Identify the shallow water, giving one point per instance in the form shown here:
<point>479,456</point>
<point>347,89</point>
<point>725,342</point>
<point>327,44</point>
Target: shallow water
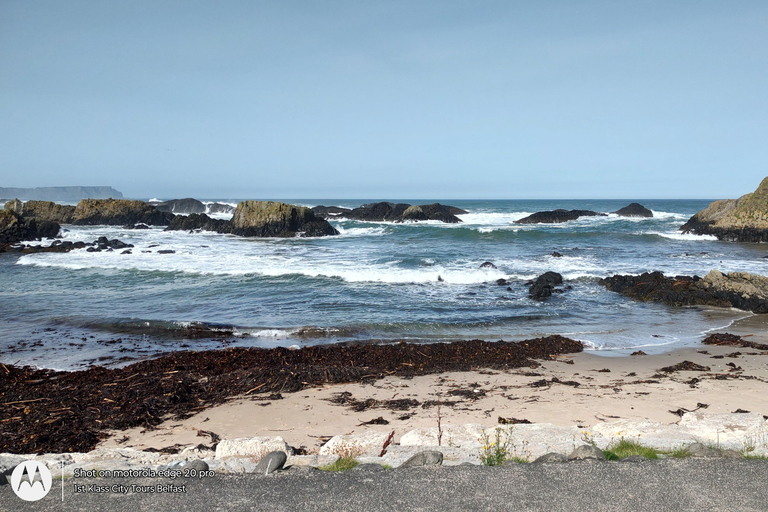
<point>374,281</point>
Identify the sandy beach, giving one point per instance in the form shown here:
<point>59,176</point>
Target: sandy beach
<point>580,389</point>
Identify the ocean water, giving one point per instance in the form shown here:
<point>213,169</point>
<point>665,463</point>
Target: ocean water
<point>376,281</point>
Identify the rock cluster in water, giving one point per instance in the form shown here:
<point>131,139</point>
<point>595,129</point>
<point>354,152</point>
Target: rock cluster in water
<point>33,220</point>
<point>737,289</point>
<point>739,220</point>
<point>393,212</point>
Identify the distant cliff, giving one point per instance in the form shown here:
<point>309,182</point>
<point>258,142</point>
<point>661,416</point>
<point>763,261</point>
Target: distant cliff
<point>64,194</point>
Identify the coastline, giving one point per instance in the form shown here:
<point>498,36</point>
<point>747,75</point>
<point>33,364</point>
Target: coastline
<point>591,389</point>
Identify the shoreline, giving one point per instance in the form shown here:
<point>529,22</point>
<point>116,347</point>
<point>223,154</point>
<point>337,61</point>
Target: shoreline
<point>572,390</point>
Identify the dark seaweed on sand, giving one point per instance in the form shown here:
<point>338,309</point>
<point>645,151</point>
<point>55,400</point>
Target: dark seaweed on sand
<point>48,411</point>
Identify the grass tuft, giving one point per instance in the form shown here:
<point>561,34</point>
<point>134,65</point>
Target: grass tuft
<point>340,464</point>
<point>624,449</point>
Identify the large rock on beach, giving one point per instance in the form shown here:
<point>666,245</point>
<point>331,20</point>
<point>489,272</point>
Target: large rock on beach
<point>274,219</point>
<point>557,216</point>
<point>186,205</point>
<point>737,289</point>
<point>738,220</point>
<point>118,212</point>
<point>634,210</point>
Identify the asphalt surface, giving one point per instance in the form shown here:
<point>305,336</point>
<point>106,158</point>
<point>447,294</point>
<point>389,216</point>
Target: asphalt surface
<point>686,484</point>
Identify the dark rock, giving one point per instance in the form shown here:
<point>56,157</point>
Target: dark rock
<point>557,254</point>
<point>196,221</point>
<point>166,251</point>
<point>502,282</point>
<point>634,210</point>
<point>273,461</point>
<point>556,216</point>
<point>219,208</point>
<point>738,289</point>
<point>552,457</point>
<point>118,212</point>
<point>15,228</point>
<point>187,205</point>
<point>443,213</point>
<point>330,212</point>
<point>392,212</point>
<point>737,220</point>
<point>424,458</point>
<point>587,451</point>
<point>487,264</point>
<point>274,219</point>
<point>638,353</point>
<point>544,285</point>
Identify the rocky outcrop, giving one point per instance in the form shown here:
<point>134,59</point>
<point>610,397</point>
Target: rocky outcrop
<point>187,205</point>
<point>118,212</point>
<point>737,220</point>
<point>274,219</point>
<point>738,289</point>
<point>634,210</point>
<point>42,210</point>
<point>393,212</point>
<point>557,216</point>
<point>68,194</point>
<point>543,286</point>
<point>15,228</point>
<point>195,221</point>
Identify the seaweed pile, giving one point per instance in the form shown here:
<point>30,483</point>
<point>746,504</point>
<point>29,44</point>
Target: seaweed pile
<point>49,411</point>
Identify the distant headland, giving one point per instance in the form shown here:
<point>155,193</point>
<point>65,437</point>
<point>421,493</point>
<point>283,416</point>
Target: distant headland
<point>66,194</point>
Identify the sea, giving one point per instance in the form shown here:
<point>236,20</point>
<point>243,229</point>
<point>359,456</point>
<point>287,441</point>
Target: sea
<point>420,282</point>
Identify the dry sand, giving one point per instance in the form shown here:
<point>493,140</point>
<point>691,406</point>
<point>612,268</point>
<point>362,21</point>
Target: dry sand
<point>609,388</point>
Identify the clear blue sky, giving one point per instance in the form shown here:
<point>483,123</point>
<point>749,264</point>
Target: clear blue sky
<point>395,99</point>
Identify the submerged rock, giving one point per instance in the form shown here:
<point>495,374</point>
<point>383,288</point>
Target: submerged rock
<point>737,289</point>
<point>557,216</point>
<point>737,220</point>
<point>274,219</point>
<point>544,285</point>
<point>634,210</point>
<point>119,212</point>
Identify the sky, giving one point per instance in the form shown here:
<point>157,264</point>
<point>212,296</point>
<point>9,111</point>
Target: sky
<point>398,99</point>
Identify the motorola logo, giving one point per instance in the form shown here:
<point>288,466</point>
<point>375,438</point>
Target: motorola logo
<point>31,480</point>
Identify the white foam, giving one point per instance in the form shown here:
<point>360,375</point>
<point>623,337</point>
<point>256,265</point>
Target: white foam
<point>682,236</point>
<point>488,219</point>
<point>369,231</point>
